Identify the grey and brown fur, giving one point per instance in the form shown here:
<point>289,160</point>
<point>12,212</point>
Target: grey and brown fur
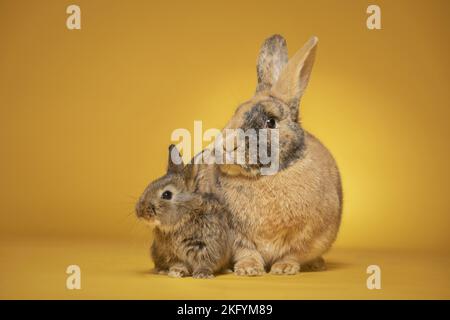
<point>192,234</point>
<point>290,219</point>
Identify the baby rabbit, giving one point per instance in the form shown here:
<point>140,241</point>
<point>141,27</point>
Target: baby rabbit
<point>192,234</point>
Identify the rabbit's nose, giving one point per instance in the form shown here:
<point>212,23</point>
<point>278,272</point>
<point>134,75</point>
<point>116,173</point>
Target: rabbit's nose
<point>150,209</point>
<point>144,209</point>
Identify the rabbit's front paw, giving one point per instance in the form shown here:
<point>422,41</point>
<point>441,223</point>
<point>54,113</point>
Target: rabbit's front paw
<point>178,272</point>
<point>285,268</point>
<point>202,274</point>
<point>248,268</point>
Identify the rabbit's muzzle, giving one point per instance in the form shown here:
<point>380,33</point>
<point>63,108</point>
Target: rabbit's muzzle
<point>145,210</point>
<point>236,145</point>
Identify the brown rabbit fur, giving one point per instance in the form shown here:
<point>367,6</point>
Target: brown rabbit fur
<point>291,218</point>
<point>192,235</point>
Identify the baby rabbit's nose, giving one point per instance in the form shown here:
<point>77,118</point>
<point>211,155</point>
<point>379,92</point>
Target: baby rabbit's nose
<point>144,209</point>
<point>150,209</point>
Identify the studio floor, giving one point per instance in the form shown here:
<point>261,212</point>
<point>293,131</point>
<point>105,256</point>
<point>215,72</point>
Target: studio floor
<point>36,269</point>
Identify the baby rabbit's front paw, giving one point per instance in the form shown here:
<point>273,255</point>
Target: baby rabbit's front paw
<point>202,274</point>
<point>248,268</point>
<point>178,272</point>
<point>285,268</point>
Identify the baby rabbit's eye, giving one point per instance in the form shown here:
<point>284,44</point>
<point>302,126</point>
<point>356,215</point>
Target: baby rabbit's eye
<point>167,195</point>
<point>271,123</point>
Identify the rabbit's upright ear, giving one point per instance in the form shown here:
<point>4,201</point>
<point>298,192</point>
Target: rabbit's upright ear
<point>190,173</point>
<point>175,164</point>
<point>272,58</point>
<point>295,76</point>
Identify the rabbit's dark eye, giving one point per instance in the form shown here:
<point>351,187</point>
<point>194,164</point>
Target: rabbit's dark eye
<point>271,123</point>
<point>167,195</point>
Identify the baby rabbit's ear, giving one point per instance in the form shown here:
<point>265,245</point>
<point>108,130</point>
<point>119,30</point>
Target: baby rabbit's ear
<point>295,76</point>
<point>190,175</point>
<point>272,58</point>
<point>175,162</point>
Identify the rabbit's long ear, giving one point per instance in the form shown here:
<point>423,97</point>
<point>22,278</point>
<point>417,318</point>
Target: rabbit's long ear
<point>272,58</point>
<point>294,78</point>
<point>175,163</point>
<point>192,172</point>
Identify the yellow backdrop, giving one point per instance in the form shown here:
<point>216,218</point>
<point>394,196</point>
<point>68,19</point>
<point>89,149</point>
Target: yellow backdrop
<point>86,115</point>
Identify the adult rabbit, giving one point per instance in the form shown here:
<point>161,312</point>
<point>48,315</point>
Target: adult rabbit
<point>288,219</point>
